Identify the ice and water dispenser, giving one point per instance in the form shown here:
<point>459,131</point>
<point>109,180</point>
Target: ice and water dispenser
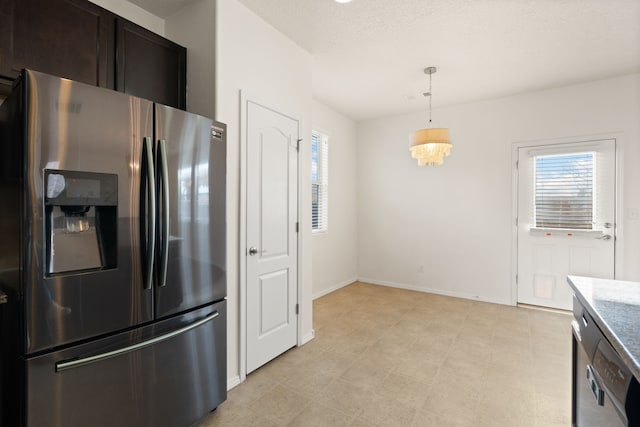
<point>81,217</point>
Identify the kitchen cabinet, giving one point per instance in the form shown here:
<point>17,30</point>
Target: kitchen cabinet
<point>6,36</point>
<point>81,41</point>
<point>67,38</point>
<point>150,66</point>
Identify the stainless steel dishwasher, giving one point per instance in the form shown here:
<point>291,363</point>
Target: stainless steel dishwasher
<point>605,392</point>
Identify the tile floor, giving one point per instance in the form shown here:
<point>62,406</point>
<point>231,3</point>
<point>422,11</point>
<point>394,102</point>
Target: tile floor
<point>390,357</point>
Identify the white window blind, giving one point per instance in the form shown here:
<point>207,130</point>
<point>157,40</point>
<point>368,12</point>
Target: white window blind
<point>564,191</point>
<point>319,182</point>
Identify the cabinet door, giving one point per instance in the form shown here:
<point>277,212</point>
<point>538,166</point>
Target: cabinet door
<point>6,37</point>
<point>67,38</point>
<point>150,66</point>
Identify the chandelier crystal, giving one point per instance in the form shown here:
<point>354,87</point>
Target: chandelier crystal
<point>430,145</point>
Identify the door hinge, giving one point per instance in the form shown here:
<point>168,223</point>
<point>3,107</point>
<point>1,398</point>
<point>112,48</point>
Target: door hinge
<point>516,279</point>
<point>517,163</point>
<point>297,308</point>
<point>516,222</point>
<point>297,227</point>
<point>298,144</point>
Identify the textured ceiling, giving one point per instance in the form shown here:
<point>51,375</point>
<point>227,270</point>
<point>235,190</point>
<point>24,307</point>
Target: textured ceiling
<point>369,54</point>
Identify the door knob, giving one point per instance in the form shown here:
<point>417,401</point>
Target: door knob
<point>253,250</point>
<point>604,237</point>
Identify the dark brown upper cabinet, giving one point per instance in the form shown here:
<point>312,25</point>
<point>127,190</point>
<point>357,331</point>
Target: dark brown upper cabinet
<point>67,38</point>
<point>6,42</point>
<point>150,66</point>
<point>81,41</point>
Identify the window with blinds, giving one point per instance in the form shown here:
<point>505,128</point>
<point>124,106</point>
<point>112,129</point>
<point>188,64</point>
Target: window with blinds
<point>564,191</point>
<point>319,182</point>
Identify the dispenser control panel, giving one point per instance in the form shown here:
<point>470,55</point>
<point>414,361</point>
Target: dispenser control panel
<point>63,187</point>
<point>83,188</point>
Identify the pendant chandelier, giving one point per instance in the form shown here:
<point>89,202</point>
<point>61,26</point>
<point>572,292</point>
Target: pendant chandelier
<point>431,145</point>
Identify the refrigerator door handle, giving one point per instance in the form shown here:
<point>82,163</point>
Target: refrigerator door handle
<point>76,363</point>
<point>164,183</point>
<point>149,217</point>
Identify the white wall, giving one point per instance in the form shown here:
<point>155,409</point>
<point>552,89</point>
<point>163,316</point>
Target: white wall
<point>193,27</point>
<point>255,58</point>
<point>335,252</point>
<point>133,13</point>
<point>455,220</point>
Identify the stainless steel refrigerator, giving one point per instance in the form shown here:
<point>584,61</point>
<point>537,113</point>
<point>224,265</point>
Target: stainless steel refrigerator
<point>112,256</point>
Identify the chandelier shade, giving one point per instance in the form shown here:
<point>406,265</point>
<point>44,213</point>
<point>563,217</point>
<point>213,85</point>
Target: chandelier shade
<point>430,146</point>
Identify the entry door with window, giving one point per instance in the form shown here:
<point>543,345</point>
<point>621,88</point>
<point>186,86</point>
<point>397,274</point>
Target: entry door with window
<point>566,218</point>
<point>271,236</point>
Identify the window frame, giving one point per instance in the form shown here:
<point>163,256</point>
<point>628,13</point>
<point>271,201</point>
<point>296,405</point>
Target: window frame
<point>320,180</point>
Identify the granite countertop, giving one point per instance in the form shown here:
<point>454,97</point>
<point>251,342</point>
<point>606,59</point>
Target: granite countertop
<point>615,307</point>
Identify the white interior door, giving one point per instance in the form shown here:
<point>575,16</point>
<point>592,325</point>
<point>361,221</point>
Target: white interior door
<point>271,236</point>
<point>566,218</point>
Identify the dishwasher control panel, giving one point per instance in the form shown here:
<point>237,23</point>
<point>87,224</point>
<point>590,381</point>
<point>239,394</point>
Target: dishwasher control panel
<point>611,370</point>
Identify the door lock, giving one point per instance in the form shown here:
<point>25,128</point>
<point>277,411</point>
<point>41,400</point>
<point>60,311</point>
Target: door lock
<point>253,250</point>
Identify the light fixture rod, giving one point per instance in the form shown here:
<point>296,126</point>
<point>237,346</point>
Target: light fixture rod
<point>430,97</point>
<point>429,71</point>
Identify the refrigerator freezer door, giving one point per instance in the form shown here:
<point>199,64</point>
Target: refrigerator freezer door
<point>191,170</point>
<point>169,374</point>
<point>71,126</point>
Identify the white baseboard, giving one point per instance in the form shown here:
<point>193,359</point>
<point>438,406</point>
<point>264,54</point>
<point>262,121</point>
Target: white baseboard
<point>311,335</point>
<point>233,382</point>
<point>447,293</point>
<point>334,288</point>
